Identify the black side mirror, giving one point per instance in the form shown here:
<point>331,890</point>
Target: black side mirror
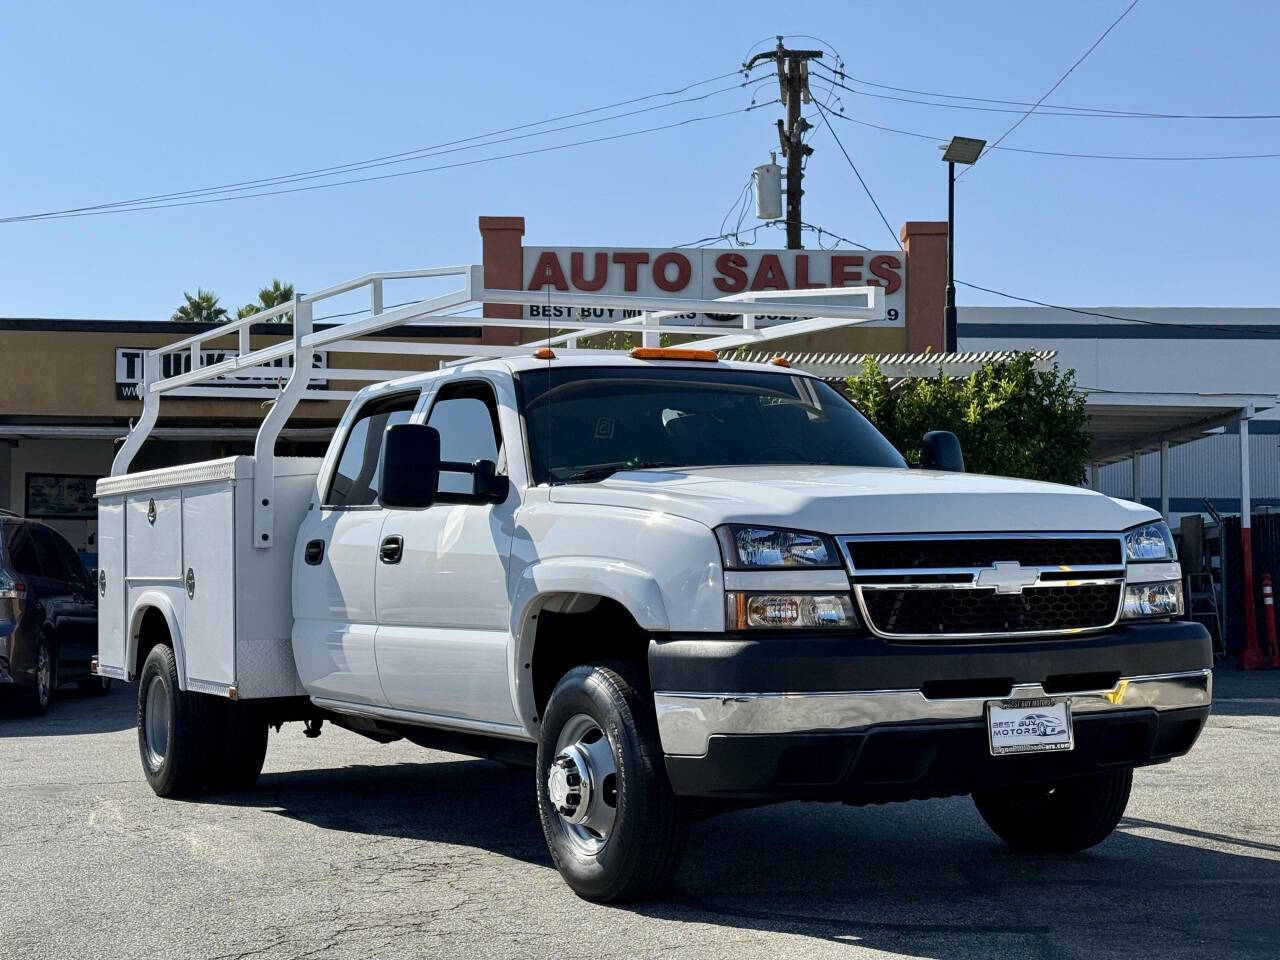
<point>410,468</point>
<point>489,487</point>
<point>941,451</point>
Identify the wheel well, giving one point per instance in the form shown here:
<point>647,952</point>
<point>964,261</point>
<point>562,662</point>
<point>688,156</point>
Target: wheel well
<point>152,629</point>
<point>574,629</point>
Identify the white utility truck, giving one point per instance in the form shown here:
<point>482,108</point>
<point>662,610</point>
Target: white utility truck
<point>672,582</point>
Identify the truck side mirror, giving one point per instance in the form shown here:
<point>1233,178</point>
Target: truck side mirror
<point>941,451</point>
<point>410,468</point>
<point>489,487</point>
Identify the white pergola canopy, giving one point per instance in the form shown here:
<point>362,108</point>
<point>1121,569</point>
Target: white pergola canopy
<point>1124,425</point>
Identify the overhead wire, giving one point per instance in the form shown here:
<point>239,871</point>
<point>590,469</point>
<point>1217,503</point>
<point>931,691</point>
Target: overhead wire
<point>853,166</point>
<point>1104,112</point>
<point>400,173</point>
<point>835,78</point>
<point>451,146</point>
<point>1223,328</point>
<point>1064,153</point>
<point>1057,83</point>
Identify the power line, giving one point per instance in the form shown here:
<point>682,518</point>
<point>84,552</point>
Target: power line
<point>1054,110</point>
<point>400,173</point>
<point>1017,123</point>
<point>417,153</point>
<point>1113,316</point>
<point>1061,153</point>
<point>854,167</point>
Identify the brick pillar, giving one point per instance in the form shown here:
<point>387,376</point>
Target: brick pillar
<point>925,243</point>
<point>502,253</point>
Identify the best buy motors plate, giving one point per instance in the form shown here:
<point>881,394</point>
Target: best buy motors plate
<point>1029,726</point>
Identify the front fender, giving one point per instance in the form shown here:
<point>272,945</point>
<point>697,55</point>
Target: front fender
<point>637,590</point>
<point>153,599</point>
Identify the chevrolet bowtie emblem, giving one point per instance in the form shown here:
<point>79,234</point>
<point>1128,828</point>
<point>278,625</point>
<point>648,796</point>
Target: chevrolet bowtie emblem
<point>1008,577</point>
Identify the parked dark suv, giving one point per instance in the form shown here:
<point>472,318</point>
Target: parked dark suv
<point>48,615</point>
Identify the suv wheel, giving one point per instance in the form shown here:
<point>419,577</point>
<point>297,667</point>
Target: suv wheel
<point>615,830</point>
<point>34,700</point>
<point>171,728</point>
<point>1064,817</point>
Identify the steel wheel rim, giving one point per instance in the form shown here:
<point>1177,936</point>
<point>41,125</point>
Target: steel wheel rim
<point>584,747</point>
<point>44,676</point>
<point>155,722</point>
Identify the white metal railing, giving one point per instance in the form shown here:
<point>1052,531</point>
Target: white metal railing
<point>809,316</point>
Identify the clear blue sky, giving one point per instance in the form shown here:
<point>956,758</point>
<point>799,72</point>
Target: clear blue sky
<point>106,103</point>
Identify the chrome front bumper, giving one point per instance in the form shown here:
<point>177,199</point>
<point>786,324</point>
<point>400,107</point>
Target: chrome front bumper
<point>687,721</point>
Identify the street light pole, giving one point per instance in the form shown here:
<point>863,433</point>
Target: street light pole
<point>949,314</point>
<point>964,150</point>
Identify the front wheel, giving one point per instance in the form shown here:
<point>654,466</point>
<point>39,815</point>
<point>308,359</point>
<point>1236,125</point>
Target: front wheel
<point>1064,817</point>
<point>614,828</point>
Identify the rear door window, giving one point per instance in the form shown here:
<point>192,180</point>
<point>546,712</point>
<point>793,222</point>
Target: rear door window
<point>71,561</point>
<point>21,549</point>
<point>53,566</point>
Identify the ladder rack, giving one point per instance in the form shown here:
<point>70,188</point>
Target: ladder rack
<point>809,315</point>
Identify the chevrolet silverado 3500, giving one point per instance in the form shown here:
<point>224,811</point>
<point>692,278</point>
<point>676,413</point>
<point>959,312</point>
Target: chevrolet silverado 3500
<point>673,583</point>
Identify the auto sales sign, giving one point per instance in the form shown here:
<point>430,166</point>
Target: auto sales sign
<point>706,274</point>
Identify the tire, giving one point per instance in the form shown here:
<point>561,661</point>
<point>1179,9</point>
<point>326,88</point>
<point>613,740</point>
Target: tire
<point>1064,817</point>
<point>95,686</point>
<point>239,745</point>
<point>172,728</point>
<point>604,713</point>
<point>33,701</point>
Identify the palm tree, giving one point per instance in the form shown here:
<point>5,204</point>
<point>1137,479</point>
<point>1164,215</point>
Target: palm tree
<point>202,308</point>
<point>268,297</point>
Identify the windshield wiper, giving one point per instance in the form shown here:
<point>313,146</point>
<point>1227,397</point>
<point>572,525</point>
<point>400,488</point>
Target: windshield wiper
<point>601,471</point>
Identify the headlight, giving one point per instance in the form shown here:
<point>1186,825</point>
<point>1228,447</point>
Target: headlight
<point>1149,542</point>
<point>780,610</point>
<point>755,548</point>
<point>1153,599</point>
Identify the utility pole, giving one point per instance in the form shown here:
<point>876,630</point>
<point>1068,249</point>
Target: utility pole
<point>793,82</point>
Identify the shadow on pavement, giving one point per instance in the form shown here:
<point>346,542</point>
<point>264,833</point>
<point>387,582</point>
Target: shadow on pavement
<point>73,712</point>
<point>922,879</point>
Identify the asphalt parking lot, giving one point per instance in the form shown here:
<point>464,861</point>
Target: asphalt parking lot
<point>352,849</point>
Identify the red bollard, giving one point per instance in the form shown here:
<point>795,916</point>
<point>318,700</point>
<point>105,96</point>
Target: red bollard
<point>1251,658</point>
<point>1269,609</point>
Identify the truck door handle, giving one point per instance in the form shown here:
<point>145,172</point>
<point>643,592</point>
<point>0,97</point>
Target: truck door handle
<point>314,552</point>
<point>392,549</point>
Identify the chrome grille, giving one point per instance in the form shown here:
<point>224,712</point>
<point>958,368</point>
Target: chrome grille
<point>986,586</point>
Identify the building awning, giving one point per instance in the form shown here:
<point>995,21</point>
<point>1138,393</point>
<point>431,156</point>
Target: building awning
<point>1125,424</point>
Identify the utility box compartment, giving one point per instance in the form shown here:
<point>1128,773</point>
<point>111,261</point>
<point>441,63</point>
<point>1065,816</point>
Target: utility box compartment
<point>180,540</point>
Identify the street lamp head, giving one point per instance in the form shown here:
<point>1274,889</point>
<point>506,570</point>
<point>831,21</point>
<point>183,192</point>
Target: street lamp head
<point>963,150</point>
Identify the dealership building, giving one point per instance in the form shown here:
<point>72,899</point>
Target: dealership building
<point>1182,400</point>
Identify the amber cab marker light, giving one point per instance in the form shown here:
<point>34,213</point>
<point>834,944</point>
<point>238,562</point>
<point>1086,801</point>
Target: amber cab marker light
<point>544,353</point>
<point>674,353</point>
<point>780,361</point>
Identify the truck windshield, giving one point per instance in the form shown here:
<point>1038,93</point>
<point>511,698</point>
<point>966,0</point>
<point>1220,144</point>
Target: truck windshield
<point>584,423</point>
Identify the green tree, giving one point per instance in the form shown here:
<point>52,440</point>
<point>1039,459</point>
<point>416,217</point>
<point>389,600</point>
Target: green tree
<point>1012,419</point>
<point>268,297</point>
<point>202,308</point>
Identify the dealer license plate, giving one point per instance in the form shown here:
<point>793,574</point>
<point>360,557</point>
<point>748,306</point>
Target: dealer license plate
<point>1029,726</point>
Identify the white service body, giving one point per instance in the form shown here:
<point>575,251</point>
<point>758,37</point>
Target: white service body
<point>179,541</point>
